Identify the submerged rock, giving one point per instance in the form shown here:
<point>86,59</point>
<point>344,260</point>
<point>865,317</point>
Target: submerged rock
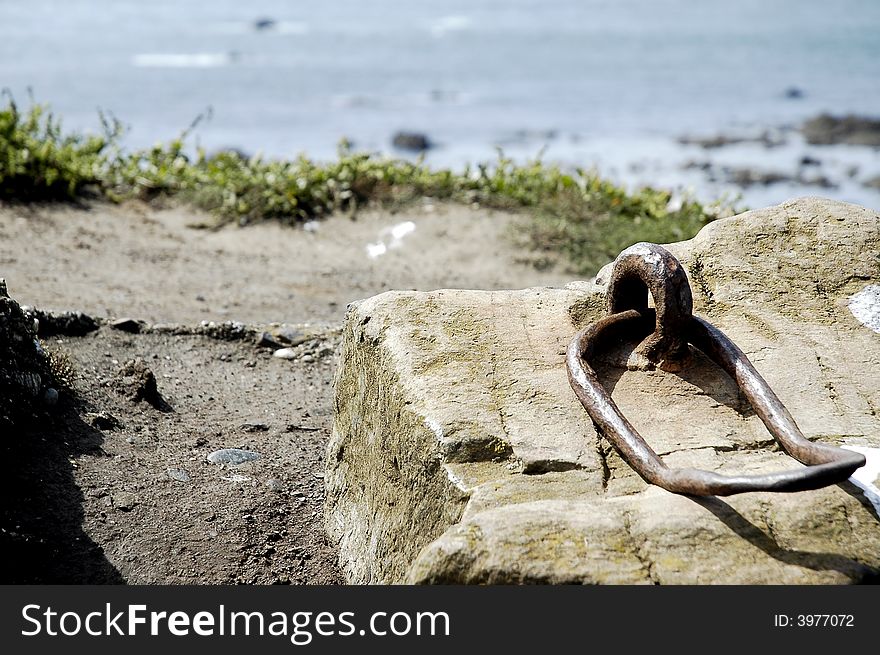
<point>413,141</point>
<point>460,454</point>
<point>872,183</point>
<point>851,130</point>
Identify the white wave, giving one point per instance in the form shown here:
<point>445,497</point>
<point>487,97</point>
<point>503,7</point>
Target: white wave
<point>353,101</point>
<point>448,24</point>
<point>182,60</point>
<point>231,27</point>
<point>249,27</point>
<point>291,27</point>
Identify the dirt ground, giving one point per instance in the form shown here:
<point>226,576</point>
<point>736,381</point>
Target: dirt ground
<point>114,490</point>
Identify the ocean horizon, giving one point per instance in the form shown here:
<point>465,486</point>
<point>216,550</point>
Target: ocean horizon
<point>614,86</point>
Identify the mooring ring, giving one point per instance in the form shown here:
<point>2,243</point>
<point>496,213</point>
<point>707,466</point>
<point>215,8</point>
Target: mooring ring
<point>648,267</point>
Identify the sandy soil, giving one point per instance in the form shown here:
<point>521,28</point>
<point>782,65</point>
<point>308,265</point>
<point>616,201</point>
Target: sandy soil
<point>130,260</point>
<point>97,493</point>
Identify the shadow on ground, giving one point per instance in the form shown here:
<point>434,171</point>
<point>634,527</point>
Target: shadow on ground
<point>41,515</point>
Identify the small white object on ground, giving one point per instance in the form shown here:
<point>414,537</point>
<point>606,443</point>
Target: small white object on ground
<point>390,238</point>
<point>236,478</point>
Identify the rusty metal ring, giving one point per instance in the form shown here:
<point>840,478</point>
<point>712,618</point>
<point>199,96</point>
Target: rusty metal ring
<point>648,267</point>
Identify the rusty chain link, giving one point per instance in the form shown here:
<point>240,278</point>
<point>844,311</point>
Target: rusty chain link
<point>647,268</point>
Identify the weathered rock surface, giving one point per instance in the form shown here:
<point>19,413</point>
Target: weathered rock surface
<point>459,453</point>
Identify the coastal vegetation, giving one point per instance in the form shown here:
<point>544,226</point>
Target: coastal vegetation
<point>575,213</point>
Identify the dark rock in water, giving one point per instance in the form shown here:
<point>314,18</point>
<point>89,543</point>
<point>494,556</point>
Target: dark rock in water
<point>697,165</point>
<point>24,368</point>
<point>849,130</point>
<point>816,180</point>
<point>413,141</point>
<point>264,23</point>
<point>872,183</point>
<point>127,325</point>
<point>232,456</point>
<point>794,93</point>
<point>69,324</point>
<point>765,139</point>
<point>136,382</point>
<point>746,177</point>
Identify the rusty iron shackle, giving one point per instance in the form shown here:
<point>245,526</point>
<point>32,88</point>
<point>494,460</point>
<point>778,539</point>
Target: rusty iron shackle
<point>647,268</point>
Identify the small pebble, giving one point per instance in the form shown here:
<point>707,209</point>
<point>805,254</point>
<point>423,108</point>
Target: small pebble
<point>232,456</point>
<point>275,484</point>
<point>181,475</point>
<point>285,353</point>
<point>308,358</point>
<point>124,501</point>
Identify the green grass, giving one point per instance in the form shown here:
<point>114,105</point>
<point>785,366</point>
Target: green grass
<point>575,213</point>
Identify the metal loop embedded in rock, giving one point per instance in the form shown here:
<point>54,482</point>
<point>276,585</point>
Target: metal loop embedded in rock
<point>645,268</point>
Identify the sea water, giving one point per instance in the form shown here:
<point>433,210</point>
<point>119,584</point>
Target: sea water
<point>611,84</point>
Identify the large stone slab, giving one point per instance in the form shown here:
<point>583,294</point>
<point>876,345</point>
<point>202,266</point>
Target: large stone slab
<point>460,454</point>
